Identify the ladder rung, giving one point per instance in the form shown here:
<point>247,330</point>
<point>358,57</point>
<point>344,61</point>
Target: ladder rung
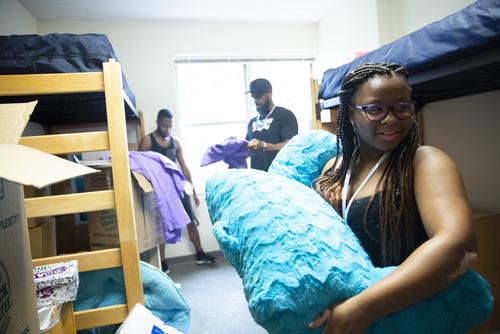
<point>87,261</point>
<point>100,316</point>
<point>69,203</point>
<point>69,143</point>
<point>54,83</point>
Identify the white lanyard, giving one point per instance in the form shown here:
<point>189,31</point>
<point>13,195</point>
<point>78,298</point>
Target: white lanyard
<point>345,208</point>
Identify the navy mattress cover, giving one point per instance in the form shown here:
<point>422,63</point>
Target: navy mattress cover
<point>62,53</point>
<point>471,31</point>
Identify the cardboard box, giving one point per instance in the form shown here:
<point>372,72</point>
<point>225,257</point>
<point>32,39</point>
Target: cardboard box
<point>103,228</point>
<point>42,233</point>
<point>21,165</point>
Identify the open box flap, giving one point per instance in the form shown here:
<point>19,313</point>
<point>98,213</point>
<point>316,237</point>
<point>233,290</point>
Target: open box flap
<point>13,120</point>
<point>143,183</point>
<point>28,166</point>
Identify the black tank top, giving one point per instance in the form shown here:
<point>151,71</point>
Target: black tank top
<point>369,233</point>
<point>168,151</point>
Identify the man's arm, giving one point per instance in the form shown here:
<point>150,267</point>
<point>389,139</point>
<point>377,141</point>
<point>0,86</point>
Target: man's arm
<point>259,145</point>
<point>185,169</point>
<point>145,144</point>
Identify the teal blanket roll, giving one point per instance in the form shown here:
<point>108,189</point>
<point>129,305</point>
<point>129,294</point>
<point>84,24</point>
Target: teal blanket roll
<point>296,256</point>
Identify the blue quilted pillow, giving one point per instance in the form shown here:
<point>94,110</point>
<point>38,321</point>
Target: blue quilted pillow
<point>296,256</point>
<point>304,156</point>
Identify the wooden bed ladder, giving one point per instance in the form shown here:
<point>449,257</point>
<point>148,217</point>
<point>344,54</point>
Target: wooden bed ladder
<point>120,198</point>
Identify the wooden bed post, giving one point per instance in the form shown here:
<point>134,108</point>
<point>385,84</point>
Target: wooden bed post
<point>316,110</point>
<point>123,189</point>
<point>420,122</point>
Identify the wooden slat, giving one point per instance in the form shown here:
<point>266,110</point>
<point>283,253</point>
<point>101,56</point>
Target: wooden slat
<point>142,128</point>
<point>100,316</point>
<point>69,143</point>
<point>316,123</point>
<point>420,122</point>
<point>55,83</point>
<point>115,110</point>
<point>70,203</point>
<point>87,261</point>
<point>132,273</point>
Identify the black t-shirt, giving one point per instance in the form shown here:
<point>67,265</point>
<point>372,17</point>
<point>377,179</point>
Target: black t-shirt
<point>276,127</point>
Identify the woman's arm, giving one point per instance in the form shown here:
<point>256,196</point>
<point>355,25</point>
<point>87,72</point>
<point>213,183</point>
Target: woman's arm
<point>445,213</point>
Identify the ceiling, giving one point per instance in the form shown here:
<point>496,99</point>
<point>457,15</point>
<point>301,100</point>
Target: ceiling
<point>296,11</point>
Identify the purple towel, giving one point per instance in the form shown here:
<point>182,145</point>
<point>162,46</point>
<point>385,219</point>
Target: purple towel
<point>232,151</point>
<point>168,184</point>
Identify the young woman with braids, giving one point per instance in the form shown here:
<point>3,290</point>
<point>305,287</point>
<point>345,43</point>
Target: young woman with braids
<point>406,203</point>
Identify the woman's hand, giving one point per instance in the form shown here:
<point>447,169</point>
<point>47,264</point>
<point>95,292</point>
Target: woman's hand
<point>345,317</point>
<point>469,260</point>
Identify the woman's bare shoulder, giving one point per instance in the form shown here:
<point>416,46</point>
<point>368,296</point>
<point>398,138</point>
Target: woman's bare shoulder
<point>430,156</point>
<point>330,164</point>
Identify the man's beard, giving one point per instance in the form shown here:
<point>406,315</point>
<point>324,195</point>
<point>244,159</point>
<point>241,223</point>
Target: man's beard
<point>264,109</point>
<point>163,135</point>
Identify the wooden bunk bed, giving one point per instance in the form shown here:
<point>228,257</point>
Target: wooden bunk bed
<point>119,198</point>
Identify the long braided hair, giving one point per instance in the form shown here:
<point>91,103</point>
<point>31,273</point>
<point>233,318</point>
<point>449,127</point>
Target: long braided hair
<point>397,201</point>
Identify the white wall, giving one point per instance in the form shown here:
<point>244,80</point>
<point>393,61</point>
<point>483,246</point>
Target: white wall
<point>467,128</point>
<point>400,17</point>
<point>147,50</point>
<point>15,19</point>
<point>349,28</point>
<point>364,25</point>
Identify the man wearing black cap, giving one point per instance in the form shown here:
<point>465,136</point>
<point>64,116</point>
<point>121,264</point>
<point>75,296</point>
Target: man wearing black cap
<point>268,132</point>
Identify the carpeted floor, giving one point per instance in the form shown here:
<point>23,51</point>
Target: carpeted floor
<point>215,295</point>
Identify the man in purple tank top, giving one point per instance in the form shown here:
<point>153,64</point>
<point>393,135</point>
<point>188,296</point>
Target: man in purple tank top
<point>163,142</point>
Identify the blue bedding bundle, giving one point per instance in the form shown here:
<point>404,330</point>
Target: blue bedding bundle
<point>296,256</point>
<point>106,287</point>
<point>62,53</point>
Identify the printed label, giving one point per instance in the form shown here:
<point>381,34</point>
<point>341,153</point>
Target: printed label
<point>108,220</point>
<point>5,303</point>
<point>156,330</point>
<point>9,221</point>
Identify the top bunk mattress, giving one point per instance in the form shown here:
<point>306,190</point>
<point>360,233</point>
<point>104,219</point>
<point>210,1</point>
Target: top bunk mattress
<point>62,53</point>
<point>470,34</point>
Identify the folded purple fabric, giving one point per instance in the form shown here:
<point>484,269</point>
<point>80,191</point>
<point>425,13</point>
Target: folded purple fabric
<point>232,151</point>
<point>168,184</point>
